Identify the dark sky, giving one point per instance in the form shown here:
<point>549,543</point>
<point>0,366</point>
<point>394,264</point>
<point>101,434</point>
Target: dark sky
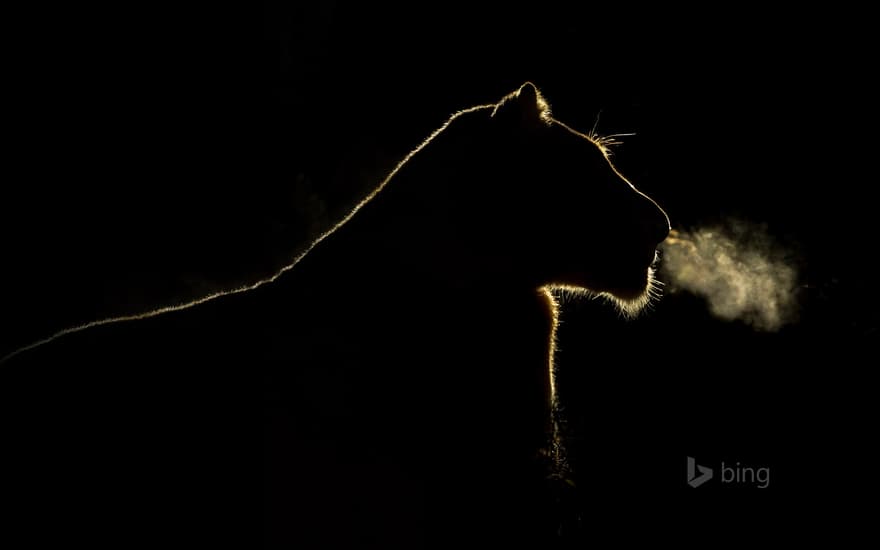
<point>155,156</point>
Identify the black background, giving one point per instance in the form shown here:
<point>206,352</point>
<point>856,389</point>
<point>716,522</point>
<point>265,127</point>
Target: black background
<point>152,157</point>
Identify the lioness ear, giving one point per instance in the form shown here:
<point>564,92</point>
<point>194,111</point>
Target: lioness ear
<point>525,106</point>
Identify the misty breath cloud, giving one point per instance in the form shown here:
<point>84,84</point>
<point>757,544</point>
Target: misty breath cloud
<point>738,269</point>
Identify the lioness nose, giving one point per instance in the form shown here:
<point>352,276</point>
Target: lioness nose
<point>656,221</point>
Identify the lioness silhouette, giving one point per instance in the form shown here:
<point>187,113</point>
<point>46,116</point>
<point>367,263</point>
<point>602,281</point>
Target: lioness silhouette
<point>400,364</point>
